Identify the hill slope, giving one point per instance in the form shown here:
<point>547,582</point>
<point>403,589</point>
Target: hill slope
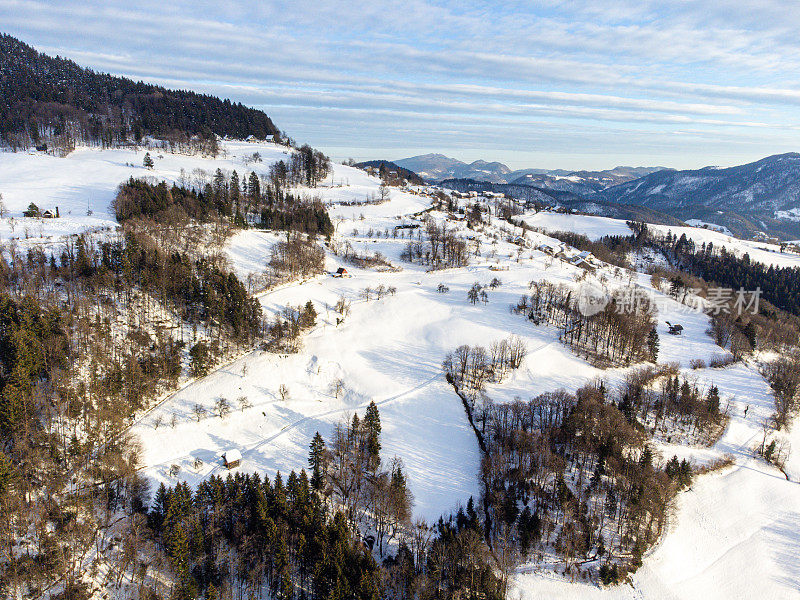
<point>763,195</point>
<point>406,174</point>
<point>54,99</point>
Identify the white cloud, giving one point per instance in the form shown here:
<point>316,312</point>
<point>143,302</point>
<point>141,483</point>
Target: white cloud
<point>546,72</point>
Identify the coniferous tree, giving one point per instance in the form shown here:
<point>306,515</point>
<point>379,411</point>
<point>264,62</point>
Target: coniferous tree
<point>315,460</point>
<point>653,344</point>
<point>372,425</point>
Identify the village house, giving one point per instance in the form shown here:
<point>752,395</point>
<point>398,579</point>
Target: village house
<point>232,458</point>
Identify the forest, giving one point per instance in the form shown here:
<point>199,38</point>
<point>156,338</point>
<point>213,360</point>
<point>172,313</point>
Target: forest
<point>242,203</point>
<point>53,100</point>
<point>315,537</point>
<point>570,478</point>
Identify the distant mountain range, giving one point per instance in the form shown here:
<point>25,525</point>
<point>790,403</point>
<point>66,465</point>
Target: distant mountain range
<point>759,196</point>
<point>438,167</point>
<point>763,196</point>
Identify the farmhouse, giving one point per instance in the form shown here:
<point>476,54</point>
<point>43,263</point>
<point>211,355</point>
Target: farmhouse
<point>232,458</point>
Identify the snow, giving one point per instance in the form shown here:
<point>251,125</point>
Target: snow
<point>734,533</point>
<point>592,227</point>
<point>595,227</point>
<point>706,225</point>
<point>231,456</point>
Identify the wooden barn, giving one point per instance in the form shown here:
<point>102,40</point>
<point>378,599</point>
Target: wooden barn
<point>232,458</point>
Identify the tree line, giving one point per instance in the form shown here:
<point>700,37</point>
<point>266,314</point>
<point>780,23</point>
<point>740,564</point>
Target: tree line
<point>222,198</point>
<point>52,99</point>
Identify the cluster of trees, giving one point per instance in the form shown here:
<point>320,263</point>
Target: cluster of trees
<point>469,368</point>
<point>659,398</point>
<point>283,334</point>
<point>614,334</point>
<point>68,383</point>
<point>316,537</point>
<point>199,290</point>
<point>610,249</point>
<point>222,197</point>
<point>32,345</point>
<point>296,257</point>
<point>705,265</point>
<point>571,475</point>
<point>441,249</point>
<point>306,166</point>
<point>349,469</point>
<point>246,537</point>
<point>779,285</point>
<point>783,375</point>
<point>449,560</point>
<point>55,100</point>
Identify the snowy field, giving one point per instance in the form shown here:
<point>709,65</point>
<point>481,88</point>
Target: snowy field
<point>733,534</point>
<point>595,227</point>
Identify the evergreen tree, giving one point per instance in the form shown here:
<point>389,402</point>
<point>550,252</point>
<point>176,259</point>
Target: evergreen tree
<point>315,460</point>
<point>372,425</point>
<point>653,344</point>
<point>148,161</point>
<point>234,187</point>
<point>712,400</point>
<point>254,187</point>
<point>308,318</point>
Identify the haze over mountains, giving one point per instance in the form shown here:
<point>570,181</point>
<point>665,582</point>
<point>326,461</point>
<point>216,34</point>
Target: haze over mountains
<point>762,196</point>
<point>438,167</point>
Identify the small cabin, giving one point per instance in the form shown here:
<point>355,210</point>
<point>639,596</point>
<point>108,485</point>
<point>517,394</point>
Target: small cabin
<point>341,272</point>
<point>232,458</point>
<point>675,329</point>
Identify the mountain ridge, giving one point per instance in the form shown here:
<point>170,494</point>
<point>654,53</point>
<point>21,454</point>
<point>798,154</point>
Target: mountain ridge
<point>438,167</point>
<point>54,100</point>
<point>763,195</point>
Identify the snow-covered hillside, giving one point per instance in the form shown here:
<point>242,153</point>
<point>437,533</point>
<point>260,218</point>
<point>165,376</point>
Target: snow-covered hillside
<point>734,532</point>
<point>595,227</point>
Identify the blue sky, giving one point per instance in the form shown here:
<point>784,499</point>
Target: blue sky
<point>570,84</point>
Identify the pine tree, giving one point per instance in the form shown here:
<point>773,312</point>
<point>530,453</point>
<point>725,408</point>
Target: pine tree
<point>315,460</point>
<point>254,186</point>
<point>308,318</point>
<point>372,426</point>
<point>653,344</point>
<point>712,400</point>
<point>148,161</point>
<point>234,187</point>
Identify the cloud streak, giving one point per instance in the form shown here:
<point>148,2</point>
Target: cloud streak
<point>697,83</point>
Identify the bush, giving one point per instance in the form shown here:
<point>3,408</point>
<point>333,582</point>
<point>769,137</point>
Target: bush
<point>719,361</point>
<point>609,574</point>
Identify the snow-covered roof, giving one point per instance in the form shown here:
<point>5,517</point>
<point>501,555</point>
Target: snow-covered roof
<point>232,455</point>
